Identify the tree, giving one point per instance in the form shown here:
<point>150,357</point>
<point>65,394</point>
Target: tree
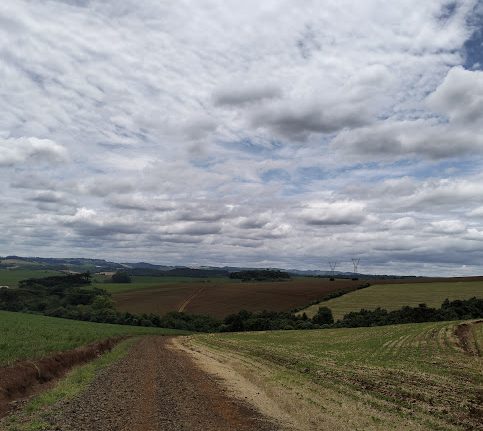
<point>121,277</point>
<point>323,317</point>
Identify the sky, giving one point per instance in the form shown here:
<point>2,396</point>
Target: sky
<point>268,134</point>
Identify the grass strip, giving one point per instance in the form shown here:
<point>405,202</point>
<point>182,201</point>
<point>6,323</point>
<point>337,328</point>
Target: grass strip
<point>33,417</point>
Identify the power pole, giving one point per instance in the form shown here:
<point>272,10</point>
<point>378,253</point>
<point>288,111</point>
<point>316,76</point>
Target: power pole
<point>332,265</point>
<point>355,262</point>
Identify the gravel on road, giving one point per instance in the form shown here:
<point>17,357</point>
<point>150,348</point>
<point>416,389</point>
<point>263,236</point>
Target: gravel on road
<point>156,387</point>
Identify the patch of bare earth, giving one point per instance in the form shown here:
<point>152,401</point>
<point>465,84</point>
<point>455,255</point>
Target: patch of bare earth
<point>157,387</point>
<point>332,398</point>
<point>465,338</point>
<point>26,378</point>
<point>219,299</point>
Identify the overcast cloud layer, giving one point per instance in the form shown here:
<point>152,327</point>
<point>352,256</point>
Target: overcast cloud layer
<point>274,133</point>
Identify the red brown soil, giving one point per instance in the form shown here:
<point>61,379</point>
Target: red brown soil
<point>219,299</point>
<point>156,387</point>
<point>29,377</point>
<point>465,338</point>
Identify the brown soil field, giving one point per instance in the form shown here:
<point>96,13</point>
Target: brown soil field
<point>219,299</point>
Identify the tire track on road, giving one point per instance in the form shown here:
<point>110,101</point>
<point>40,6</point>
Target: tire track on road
<point>157,387</point>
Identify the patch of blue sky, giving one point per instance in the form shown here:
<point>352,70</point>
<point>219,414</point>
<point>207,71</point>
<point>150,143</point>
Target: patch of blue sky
<point>311,173</point>
<point>250,146</point>
<point>447,11</point>
<point>447,168</point>
<point>278,175</point>
<point>206,162</point>
<point>375,172</point>
<point>473,47</point>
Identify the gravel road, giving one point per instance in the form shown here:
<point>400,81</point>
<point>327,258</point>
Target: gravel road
<point>156,387</point>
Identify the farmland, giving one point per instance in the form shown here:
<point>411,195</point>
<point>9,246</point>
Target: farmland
<point>28,336</point>
<point>219,298</point>
<point>142,282</point>
<point>11,277</point>
<point>415,376</point>
<point>394,296</point>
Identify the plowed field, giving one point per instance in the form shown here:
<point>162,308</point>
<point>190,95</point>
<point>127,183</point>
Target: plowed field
<point>219,299</point>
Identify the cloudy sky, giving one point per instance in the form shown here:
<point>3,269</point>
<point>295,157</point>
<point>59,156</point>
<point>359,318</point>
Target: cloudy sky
<point>275,133</point>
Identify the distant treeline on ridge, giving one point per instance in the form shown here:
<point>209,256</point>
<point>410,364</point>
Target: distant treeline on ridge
<point>260,275</point>
<point>178,272</point>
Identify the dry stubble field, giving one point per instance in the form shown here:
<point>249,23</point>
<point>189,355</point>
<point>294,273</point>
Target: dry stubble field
<point>425,376</point>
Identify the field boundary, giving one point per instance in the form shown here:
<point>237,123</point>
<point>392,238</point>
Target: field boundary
<point>336,294</point>
<point>236,374</point>
<point>28,377</point>
<point>466,339</point>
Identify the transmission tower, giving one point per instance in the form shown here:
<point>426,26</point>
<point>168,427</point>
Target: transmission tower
<point>355,262</point>
<point>332,265</point>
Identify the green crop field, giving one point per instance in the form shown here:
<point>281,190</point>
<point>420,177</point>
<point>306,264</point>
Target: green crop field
<point>144,282</point>
<point>29,336</point>
<point>11,277</point>
<point>394,296</point>
<point>414,376</point>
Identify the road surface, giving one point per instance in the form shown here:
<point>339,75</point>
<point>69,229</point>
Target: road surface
<point>157,387</point>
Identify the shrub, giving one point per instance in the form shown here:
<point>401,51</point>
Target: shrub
<point>121,277</point>
<point>324,316</point>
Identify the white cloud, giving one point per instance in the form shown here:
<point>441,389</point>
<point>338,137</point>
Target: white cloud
<point>334,213</point>
<point>477,212</point>
<point>448,226</point>
<point>460,97</point>
<point>274,133</point>
<point>15,151</point>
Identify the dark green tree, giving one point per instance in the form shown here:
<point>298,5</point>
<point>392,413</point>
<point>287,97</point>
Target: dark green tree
<point>323,317</point>
<point>121,277</point>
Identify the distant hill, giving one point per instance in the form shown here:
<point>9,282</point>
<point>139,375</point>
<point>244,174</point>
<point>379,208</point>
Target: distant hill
<point>59,264</point>
<point>146,268</point>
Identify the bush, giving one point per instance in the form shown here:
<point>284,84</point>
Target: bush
<point>260,275</point>
<point>121,277</point>
<point>450,310</point>
<point>323,317</point>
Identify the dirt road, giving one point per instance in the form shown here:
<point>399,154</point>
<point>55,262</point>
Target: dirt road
<point>156,387</point>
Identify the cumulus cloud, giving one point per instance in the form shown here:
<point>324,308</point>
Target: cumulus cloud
<point>235,94</point>
<point>87,222</point>
<point>15,151</point>
<point>297,120</point>
<point>335,213</point>
<point>408,138</point>
<point>476,212</point>
<point>448,226</point>
<point>460,97</point>
<point>279,135</point>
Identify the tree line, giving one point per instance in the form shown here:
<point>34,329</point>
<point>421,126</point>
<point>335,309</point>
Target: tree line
<point>260,275</point>
<point>72,296</point>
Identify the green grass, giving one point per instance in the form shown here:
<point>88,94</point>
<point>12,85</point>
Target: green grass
<point>414,370</point>
<point>29,336</point>
<point>394,296</point>
<point>11,277</point>
<point>34,416</point>
<point>142,282</point>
